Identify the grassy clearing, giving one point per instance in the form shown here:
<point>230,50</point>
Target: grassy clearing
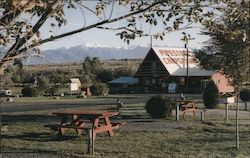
<point>201,140</point>
<point>66,99</point>
<point>185,138</point>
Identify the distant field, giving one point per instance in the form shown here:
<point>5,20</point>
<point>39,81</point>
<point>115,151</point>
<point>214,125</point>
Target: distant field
<point>110,64</point>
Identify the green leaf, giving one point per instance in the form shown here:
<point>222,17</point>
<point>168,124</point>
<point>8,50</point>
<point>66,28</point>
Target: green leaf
<point>130,24</point>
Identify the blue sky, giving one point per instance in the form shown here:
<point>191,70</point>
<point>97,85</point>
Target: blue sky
<point>99,37</point>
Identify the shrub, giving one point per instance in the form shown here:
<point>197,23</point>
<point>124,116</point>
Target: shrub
<point>245,95</point>
<point>52,90</point>
<point>29,92</point>
<point>159,107</point>
<point>211,95</point>
<point>100,89</point>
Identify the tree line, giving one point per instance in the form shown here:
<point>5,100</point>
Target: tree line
<point>92,73</point>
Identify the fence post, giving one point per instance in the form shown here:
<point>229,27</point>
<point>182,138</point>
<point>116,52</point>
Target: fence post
<point>177,113</point>
<point>203,115</point>
<point>92,140</point>
<point>245,106</point>
<point>226,106</point>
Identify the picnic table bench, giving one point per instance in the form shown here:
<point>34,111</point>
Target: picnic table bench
<point>98,122</point>
<point>187,106</point>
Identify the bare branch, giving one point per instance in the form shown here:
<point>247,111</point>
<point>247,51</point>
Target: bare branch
<point>13,50</point>
<point>112,9</point>
<point>92,26</point>
<point>87,9</point>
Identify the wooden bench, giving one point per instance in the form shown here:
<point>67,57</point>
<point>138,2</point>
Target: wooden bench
<point>56,127</point>
<point>99,122</point>
<point>188,107</point>
<point>116,125</point>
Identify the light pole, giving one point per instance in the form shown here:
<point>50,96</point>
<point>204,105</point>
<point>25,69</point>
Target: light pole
<point>151,41</point>
<point>187,65</point>
<point>185,39</point>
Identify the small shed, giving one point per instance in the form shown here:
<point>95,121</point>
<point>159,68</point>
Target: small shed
<point>75,86</point>
<point>202,76</point>
<point>123,84</point>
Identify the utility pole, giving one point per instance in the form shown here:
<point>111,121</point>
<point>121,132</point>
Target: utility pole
<point>185,39</point>
<point>151,42</point>
<point>187,65</point>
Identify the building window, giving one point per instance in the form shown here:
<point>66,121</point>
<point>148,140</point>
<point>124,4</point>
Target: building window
<point>147,82</point>
<point>153,81</point>
<point>164,85</point>
<point>218,81</point>
<point>182,81</point>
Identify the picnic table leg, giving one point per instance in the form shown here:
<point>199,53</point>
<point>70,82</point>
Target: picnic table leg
<point>75,122</point>
<point>94,126</point>
<point>63,122</point>
<point>107,122</point>
<point>193,105</point>
<point>90,139</point>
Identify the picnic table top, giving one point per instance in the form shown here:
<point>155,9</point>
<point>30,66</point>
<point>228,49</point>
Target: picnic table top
<point>86,112</point>
<point>185,101</point>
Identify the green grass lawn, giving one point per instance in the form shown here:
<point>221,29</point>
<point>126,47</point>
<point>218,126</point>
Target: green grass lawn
<point>213,138</point>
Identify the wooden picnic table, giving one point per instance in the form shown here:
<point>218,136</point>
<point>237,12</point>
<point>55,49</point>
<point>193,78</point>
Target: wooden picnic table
<point>187,106</point>
<point>79,118</point>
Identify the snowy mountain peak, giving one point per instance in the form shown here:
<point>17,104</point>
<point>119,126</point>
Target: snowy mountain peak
<point>94,45</point>
<point>78,53</point>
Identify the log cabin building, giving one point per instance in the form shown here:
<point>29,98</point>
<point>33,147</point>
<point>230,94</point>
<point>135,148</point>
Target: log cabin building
<point>164,66</point>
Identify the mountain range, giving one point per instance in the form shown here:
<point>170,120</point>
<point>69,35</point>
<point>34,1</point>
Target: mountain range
<point>79,53</point>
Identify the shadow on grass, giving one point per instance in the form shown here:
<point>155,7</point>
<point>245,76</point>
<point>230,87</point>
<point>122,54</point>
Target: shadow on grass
<point>243,134</point>
<point>23,152</point>
<point>136,116</point>
<point>29,118</point>
<point>40,137</point>
<point>144,121</point>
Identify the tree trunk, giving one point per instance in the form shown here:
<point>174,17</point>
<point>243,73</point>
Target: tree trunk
<point>237,123</point>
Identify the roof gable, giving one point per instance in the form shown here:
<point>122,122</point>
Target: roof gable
<point>75,80</point>
<point>146,67</point>
<point>175,58</point>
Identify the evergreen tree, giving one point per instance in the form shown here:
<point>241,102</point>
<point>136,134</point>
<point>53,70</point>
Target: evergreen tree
<point>211,95</point>
<point>228,47</point>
